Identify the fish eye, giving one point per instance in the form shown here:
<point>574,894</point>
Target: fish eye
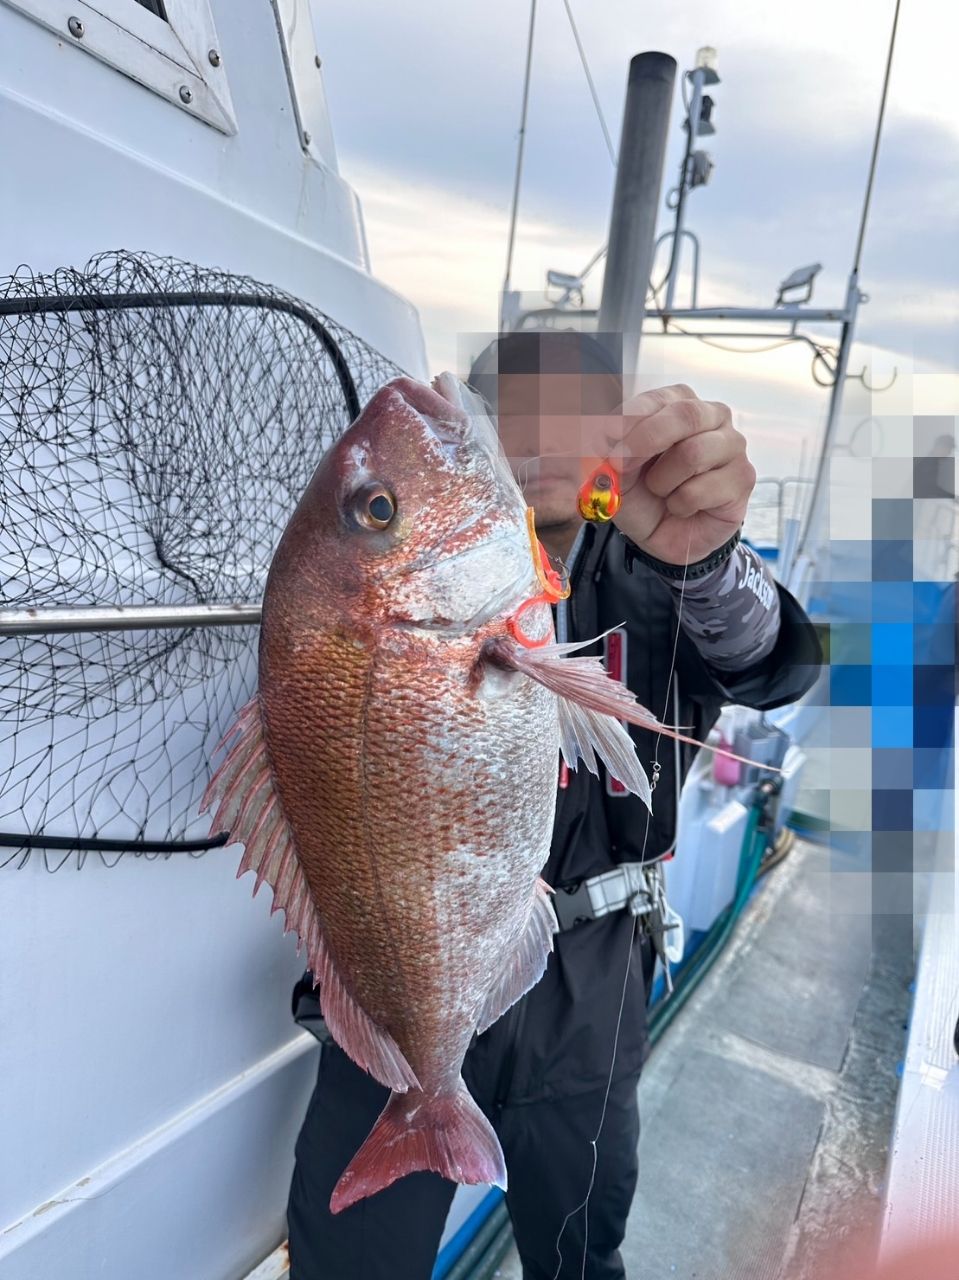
<point>374,507</point>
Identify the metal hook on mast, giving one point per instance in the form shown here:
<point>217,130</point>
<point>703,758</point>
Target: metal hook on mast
<point>871,386</point>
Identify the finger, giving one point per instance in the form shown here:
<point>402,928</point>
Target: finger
<point>706,451</point>
<point>673,422</point>
<point>723,493</point>
<point>649,402</point>
<point>638,407</point>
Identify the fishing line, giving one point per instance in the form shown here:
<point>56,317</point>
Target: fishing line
<point>527,462</point>
<point>594,1143</point>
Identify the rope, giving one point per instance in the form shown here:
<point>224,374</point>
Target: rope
<point>584,1205</point>
<point>524,109</point>
<point>876,139</point>
<point>592,87</point>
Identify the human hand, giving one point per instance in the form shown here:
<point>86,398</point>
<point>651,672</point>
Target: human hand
<point>685,476</point>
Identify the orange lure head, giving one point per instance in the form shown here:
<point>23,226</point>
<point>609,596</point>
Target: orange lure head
<point>600,497</point>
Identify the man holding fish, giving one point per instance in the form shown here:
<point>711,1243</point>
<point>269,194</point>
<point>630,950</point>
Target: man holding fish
<point>403,755</point>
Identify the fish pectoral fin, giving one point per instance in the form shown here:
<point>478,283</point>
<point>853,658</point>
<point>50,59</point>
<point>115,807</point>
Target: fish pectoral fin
<point>250,810</point>
<point>586,684</point>
<point>526,965</point>
<point>591,706</point>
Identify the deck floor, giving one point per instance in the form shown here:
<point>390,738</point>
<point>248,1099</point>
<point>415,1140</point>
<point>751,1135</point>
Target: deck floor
<point>767,1107</point>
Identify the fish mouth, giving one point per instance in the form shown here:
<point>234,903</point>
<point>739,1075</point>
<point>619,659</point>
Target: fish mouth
<point>473,428</point>
<point>448,434</point>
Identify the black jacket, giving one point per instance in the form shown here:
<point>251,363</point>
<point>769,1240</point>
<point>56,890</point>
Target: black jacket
<point>595,827</point>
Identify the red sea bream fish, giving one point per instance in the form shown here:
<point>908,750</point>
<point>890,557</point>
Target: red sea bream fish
<point>394,779</point>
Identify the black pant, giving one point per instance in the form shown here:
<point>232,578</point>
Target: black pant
<point>395,1234</point>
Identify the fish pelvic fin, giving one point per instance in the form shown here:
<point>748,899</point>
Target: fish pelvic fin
<point>527,964</point>
<point>250,810</point>
<point>447,1134</point>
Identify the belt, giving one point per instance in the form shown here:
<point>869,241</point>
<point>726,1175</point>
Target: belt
<point>632,885</point>
<point>637,887</point>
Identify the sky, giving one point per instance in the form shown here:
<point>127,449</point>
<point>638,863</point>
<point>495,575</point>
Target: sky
<point>425,101</point>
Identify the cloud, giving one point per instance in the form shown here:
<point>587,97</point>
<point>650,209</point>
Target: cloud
<point>795,114</point>
<point>425,117</point>
<point>447,252</point>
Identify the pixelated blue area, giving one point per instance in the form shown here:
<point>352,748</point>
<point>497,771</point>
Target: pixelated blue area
<point>848,601</point>
<point>892,601</point>
<point>892,727</point>
<point>932,642</point>
<point>933,810</point>
<point>932,726</point>
<point>929,598</point>
<point>892,767</point>
<point>858,843</point>
<point>892,560</point>
<point>892,851</point>
<point>850,685</point>
<point>892,643</point>
<point>932,767</point>
<point>933,684</point>
<point>851,553</point>
<point>891,685</point>
<point>850,642</point>
<point>892,518</point>
<point>891,810</point>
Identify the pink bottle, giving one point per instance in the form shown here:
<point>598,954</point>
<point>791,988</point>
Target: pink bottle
<point>725,771</point>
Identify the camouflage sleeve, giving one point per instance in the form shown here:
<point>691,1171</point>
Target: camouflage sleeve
<point>732,613</point>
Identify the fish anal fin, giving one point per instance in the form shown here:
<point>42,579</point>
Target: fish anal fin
<point>527,963</point>
<point>352,1028</point>
<point>270,850</point>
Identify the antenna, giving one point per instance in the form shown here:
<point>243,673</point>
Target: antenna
<point>697,165</point>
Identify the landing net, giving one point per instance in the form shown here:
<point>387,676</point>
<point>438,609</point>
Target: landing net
<point>158,423</point>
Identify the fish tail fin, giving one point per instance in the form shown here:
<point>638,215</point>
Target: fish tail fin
<point>447,1134</point>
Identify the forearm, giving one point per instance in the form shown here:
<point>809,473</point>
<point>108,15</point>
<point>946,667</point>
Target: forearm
<point>731,612</point>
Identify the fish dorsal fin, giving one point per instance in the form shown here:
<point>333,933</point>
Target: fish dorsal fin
<point>526,965</point>
<point>250,810</point>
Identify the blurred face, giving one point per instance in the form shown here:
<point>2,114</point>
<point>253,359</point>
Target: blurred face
<point>551,428</point>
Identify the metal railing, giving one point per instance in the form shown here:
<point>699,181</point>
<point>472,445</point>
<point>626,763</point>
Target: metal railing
<point>787,501</point>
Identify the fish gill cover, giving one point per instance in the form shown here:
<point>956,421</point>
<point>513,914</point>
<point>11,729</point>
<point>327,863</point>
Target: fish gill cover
<point>158,424</point>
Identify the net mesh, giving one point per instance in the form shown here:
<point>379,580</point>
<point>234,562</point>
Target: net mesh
<point>158,423</point>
